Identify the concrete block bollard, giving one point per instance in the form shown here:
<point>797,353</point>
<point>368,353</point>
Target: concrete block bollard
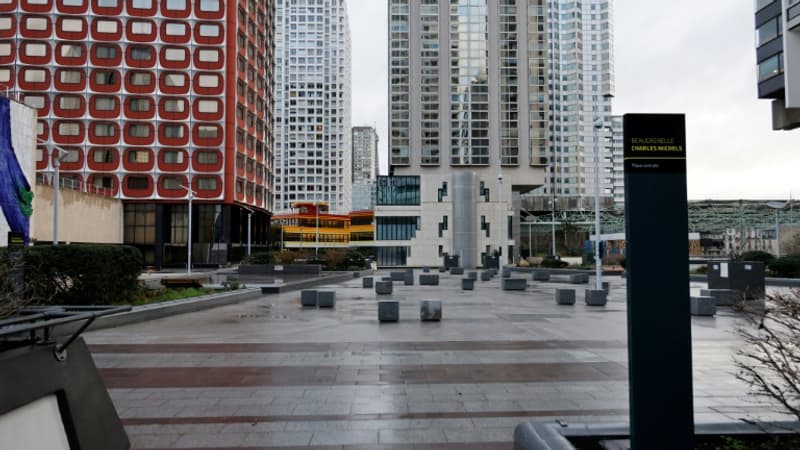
<point>388,311</point>
<point>367,282</point>
<point>430,310</point>
<point>514,284</point>
<point>383,288</point>
<point>408,279</point>
<point>456,271</point>
<point>579,278</point>
<point>506,273</point>
<point>606,287</point>
<point>565,296</point>
<point>703,306</point>
<point>595,297</point>
<point>442,269</point>
<point>486,275</point>
<point>467,284</point>
<point>426,270</point>
<point>429,280</point>
<point>326,299</point>
<point>472,275</point>
<point>389,279</point>
<point>724,297</point>
<point>541,275</point>
<point>398,276</point>
<point>308,297</point>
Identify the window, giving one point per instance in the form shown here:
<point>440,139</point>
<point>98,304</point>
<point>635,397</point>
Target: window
<point>139,130</point>
<point>175,54</point>
<point>396,228</point>
<point>209,30</point>
<point>172,183</point>
<point>72,25</point>
<point>108,3</point>
<point>209,5</point>
<point>141,78</point>
<point>206,184</point>
<point>208,81</point>
<point>141,53</point>
<point>142,4</point>
<point>5,49</point>
<point>140,223</point>
<point>104,103</point>
<point>105,51</point>
<point>769,31</point>
<point>32,49</point>
<point>70,76</point>
<point>400,190</point>
<point>139,104</point>
<point>176,5</point>
<point>137,183</point>
<point>175,29</point>
<point>174,105</point>
<point>34,101</point>
<point>69,129</point>
<point>106,26</point>
<point>105,130</point>
<point>103,182</point>
<point>5,75</point>
<point>103,155</point>
<point>138,156</point>
<point>207,131</point>
<point>70,102</point>
<point>770,67</point>
<point>175,79</point>
<point>208,106</point>
<point>71,51</point>
<point>173,131</point>
<point>207,157</point>
<point>73,155</point>
<point>105,77</point>
<point>208,55</point>
<point>172,156</point>
<point>34,75</point>
<point>141,27</point>
<point>73,2</point>
<point>36,23</point>
<point>5,23</point>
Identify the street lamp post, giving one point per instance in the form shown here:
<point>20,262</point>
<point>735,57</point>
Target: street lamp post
<point>60,155</point>
<point>316,244</point>
<point>598,273</point>
<point>777,206</point>
<point>500,221</point>
<point>250,213</point>
<point>191,193</point>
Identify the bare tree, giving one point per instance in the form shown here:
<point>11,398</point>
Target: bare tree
<point>770,360</point>
<point>15,292</point>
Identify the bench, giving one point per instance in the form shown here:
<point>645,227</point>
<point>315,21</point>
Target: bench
<point>486,275</point>
<point>367,282</point>
<point>541,275</point>
<point>506,273</point>
<point>383,288</point>
<point>472,275</point>
<point>308,297</point>
<point>702,306</point>
<point>388,311</point>
<point>579,278</point>
<point>181,283</point>
<point>514,284</point>
<point>428,280</point>
<point>467,284</point>
<point>565,296</point>
<point>456,271</point>
<point>397,276</point>
<point>326,299</point>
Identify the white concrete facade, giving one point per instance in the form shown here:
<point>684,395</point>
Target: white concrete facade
<point>313,104</point>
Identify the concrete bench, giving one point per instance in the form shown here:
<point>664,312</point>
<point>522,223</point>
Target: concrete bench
<point>493,271</point>
<point>506,273</point>
<point>565,296</point>
<point>579,278</point>
<point>595,297</point>
<point>389,279</point>
<point>430,310</point>
<point>541,275</point>
<point>408,279</point>
<point>467,284</point>
<point>367,282</point>
<point>308,297</point>
<point>486,275</point>
<point>514,284</point>
<point>383,288</point>
<point>181,283</point>
<point>428,280</point>
<point>397,276</point>
<point>388,311</point>
<point>442,269</point>
<point>703,306</point>
<point>724,297</point>
<point>456,271</point>
<point>472,275</point>
<point>326,299</point>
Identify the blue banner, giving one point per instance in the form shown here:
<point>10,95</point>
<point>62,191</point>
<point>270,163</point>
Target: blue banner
<point>16,196</point>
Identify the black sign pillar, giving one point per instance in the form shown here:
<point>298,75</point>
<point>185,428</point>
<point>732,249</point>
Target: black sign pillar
<point>659,323</point>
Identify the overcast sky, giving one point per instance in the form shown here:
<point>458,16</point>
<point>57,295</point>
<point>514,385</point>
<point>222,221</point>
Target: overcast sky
<point>682,56</point>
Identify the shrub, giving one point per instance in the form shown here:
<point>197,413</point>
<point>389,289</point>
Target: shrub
<point>354,260</point>
<point>756,256</point>
<point>259,258</point>
<point>552,263</point>
<point>290,256</point>
<point>334,259</point>
<point>84,274</point>
<point>786,266</point>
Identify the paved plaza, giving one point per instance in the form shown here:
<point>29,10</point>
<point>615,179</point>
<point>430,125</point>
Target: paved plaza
<point>268,374</point>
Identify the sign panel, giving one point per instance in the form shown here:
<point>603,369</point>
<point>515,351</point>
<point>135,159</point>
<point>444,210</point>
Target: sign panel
<point>659,324</point>
<point>655,143</point>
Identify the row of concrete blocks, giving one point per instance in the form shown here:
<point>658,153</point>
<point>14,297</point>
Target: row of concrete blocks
<point>592,297</point>
<point>429,310</point>
<point>313,298</point>
<point>574,278</point>
<point>706,303</point>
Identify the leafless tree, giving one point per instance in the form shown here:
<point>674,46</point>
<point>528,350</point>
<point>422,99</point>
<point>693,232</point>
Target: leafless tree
<point>16,294</point>
<point>770,360</point>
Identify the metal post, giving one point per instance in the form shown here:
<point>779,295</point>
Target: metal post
<point>598,273</point>
<point>316,245</point>
<point>249,234</point>
<point>56,181</point>
<point>500,221</point>
<point>530,241</point>
<point>777,233</point>
<point>189,237</point>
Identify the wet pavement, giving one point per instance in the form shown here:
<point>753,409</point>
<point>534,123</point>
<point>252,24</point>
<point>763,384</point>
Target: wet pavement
<point>269,374</point>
